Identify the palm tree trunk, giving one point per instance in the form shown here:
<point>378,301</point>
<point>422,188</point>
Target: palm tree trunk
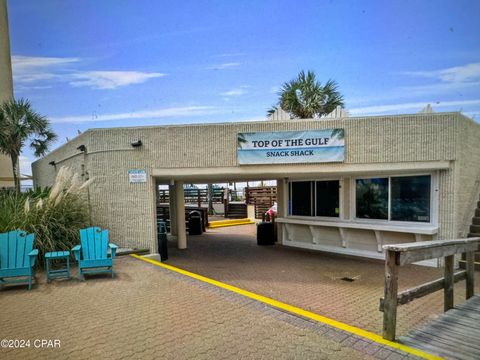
<point>16,179</point>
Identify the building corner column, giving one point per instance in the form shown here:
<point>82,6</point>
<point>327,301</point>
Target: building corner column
<point>180,215</point>
<point>172,210</point>
<point>281,205</point>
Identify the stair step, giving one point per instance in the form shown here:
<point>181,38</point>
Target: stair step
<point>475,229</point>
<point>476,220</point>
<point>477,212</point>
<point>470,235</point>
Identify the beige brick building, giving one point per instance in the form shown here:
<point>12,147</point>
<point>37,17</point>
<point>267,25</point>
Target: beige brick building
<point>400,178</point>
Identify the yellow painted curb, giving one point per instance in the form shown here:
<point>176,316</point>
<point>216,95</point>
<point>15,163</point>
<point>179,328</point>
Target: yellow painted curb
<point>223,223</point>
<point>296,310</point>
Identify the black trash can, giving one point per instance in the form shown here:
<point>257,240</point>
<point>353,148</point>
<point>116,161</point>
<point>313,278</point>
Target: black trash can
<point>265,233</point>
<point>195,223</point>
<point>162,240</point>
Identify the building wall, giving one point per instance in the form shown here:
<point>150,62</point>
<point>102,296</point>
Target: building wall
<point>6,88</point>
<point>467,173</point>
<point>128,209</point>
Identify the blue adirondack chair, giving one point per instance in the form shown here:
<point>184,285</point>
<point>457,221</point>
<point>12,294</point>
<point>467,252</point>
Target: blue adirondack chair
<point>17,257</point>
<point>92,253</point>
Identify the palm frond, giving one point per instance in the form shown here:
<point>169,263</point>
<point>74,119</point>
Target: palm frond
<point>304,97</point>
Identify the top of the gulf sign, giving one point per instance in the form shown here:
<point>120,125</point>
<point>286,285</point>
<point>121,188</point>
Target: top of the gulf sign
<point>281,147</point>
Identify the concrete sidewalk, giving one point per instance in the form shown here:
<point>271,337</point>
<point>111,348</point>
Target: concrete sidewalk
<point>308,279</point>
<point>148,312</point>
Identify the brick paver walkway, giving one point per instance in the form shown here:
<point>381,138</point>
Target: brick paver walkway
<point>310,280</point>
<point>147,312</point>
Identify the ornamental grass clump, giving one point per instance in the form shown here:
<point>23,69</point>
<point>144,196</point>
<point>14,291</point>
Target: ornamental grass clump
<point>55,215</point>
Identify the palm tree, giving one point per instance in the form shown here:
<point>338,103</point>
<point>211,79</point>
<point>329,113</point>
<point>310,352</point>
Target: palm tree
<point>19,124</point>
<point>306,98</point>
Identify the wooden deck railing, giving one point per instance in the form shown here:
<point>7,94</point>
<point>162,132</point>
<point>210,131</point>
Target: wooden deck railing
<point>403,254</point>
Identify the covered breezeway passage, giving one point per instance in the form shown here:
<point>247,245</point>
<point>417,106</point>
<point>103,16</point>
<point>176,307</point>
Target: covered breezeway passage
<point>308,279</point>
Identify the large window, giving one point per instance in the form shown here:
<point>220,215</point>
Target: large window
<point>410,198</point>
<point>372,198</point>
<point>315,198</point>
<point>328,199</point>
<point>301,198</point>
<point>399,198</point>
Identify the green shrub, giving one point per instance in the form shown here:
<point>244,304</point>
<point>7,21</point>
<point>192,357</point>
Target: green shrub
<point>55,215</point>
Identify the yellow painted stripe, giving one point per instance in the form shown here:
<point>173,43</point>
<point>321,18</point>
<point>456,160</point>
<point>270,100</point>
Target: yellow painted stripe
<point>296,310</point>
<point>229,221</point>
<point>223,223</point>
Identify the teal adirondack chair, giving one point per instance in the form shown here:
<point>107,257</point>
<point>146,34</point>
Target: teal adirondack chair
<point>17,257</point>
<point>92,253</point>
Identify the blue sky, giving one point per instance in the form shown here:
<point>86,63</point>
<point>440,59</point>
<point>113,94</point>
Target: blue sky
<point>109,63</point>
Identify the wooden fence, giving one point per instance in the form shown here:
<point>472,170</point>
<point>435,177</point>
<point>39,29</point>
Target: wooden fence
<point>403,254</point>
<point>262,197</point>
<point>192,196</point>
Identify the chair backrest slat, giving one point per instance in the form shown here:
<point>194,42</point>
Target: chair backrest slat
<point>84,243</point>
<point>3,250</point>
<point>27,249</point>
<point>20,250</point>
<point>14,249</point>
<point>98,244</point>
<point>13,238</point>
<point>104,244</point>
<point>94,243</point>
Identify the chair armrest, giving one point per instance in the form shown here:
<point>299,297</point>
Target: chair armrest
<point>113,249</point>
<point>33,255</point>
<point>34,252</point>
<point>76,252</point>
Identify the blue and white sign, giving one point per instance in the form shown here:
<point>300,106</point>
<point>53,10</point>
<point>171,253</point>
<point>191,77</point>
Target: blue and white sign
<point>137,176</point>
<point>288,147</point>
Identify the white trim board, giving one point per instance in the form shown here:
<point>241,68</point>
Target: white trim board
<point>426,230</point>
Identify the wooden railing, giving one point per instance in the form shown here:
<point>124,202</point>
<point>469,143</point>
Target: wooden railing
<point>192,196</point>
<point>403,254</point>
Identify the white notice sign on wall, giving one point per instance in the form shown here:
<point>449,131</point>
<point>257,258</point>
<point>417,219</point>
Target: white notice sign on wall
<point>137,176</point>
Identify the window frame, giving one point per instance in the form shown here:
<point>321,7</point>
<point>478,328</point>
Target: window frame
<point>313,187</point>
<point>433,200</point>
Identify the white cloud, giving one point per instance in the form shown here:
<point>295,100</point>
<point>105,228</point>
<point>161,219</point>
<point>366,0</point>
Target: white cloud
<point>111,79</point>
<point>27,69</point>
<point>22,63</point>
<point>32,70</point>
<point>456,74</point>
<point>417,106</point>
<point>148,114</point>
<point>235,54</point>
<point>275,89</point>
<point>438,88</point>
<point>235,92</point>
<point>225,66</point>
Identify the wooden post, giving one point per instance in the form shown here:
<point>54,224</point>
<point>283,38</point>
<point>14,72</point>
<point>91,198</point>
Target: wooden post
<point>448,283</point>
<point>470,267</point>
<point>390,296</point>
